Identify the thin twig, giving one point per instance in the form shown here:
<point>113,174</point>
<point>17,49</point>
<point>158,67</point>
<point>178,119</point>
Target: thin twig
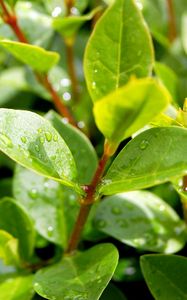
<point>86,204</point>
<point>11,20</point>
<point>172,21</point>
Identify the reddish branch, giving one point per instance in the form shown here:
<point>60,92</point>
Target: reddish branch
<point>87,203</point>
<point>172,21</point>
<point>11,20</point>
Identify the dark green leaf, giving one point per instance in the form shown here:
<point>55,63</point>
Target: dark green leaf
<point>165,276</point>
<point>19,288</point>
<point>82,276</point>
<point>111,292</point>
<point>142,220</point>
<point>14,220</point>
<point>152,157</point>
<point>34,56</point>
<point>120,46</point>
<point>31,141</point>
<point>80,146</point>
<point>128,109</point>
<point>128,270</point>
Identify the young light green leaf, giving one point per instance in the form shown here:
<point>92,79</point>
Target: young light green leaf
<point>15,221</point>
<point>154,156</point>
<point>120,46</point>
<point>34,56</point>
<point>31,141</point>
<point>8,248</point>
<point>81,276</point>
<point>18,288</point>
<point>68,26</point>
<point>142,220</point>
<point>80,146</point>
<point>165,276</point>
<point>128,109</point>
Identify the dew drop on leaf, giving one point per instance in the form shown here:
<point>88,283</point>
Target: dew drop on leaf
<point>144,144</point>
<point>23,139</point>
<point>48,136</point>
<point>101,223</point>
<point>5,140</point>
<point>33,193</point>
<point>50,231</point>
<point>55,138</point>
<point>116,210</point>
<point>93,85</point>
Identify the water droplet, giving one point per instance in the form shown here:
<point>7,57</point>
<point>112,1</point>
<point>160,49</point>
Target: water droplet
<point>74,11</point>
<point>81,124</point>
<point>116,210</point>
<point>162,207</point>
<point>65,120</point>
<point>36,284</point>
<point>50,231</point>
<point>42,140</point>
<point>93,85</point>
<point>122,223</point>
<point>95,71</point>
<point>56,11</point>
<point>144,144</point>
<point>65,82</point>
<point>130,271</point>
<point>67,96</point>
<point>37,148</point>
<point>101,223</point>
<point>55,138</point>
<point>5,140</point>
<point>48,136</point>
<point>23,139</point>
<point>33,193</point>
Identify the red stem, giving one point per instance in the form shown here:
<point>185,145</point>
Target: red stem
<point>86,205</point>
<point>172,21</point>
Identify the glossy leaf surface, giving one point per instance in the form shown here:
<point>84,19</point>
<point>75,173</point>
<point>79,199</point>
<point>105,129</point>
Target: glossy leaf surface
<point>19,288</point>
<point>128,109</point>
<point>81,148</point>
<point>120,46</point>
<point>142,220</point>
<point>31,141</point>
<point>81,276</point>
<point>43,200</point>
<point>34,56</point>
<point>165,276</point>
<point>152,157</point>
<point>14,220</point>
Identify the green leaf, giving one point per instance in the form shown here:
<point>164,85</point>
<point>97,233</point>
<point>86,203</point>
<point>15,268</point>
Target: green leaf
<point>69,26</point>
<point>15,220</point>
<point>8,248</point>
<point>31,141</point>
<point>81,276</point>
<point>34,56</point>
<point>142,220</point>
<point>112,292</point>
<point>19,288</point>
<point>154,156</point>
<point>128,109</point>
<point>120,46</point>
<point>42,199</point>
<point>168,78</point>
<point>165,276</point>
<point>80,146</point>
